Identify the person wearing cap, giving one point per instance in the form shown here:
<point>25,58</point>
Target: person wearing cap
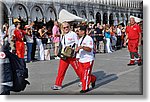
<point>86,59</point>
<point>68,38</point>
<point>18,37</point>
<point>133,35</point>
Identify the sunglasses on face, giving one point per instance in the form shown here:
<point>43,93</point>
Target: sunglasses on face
<point>66,27</point>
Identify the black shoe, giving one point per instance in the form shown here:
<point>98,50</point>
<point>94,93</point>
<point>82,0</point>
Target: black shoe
<point>28,62</point>
<point>139,64</point>
<point>93,84</point>
<point>34,59</point>
<point>84,91</point>
<point>130,64</point>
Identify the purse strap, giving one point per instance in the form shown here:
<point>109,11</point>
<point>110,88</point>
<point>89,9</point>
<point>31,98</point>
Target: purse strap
<point>82,39</point>
<point>64,39</point>
<point>74,44</point>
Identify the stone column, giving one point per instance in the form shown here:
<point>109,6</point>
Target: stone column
<point>29,20</point>
<point>124,20</point>
<point>101,17</point>
<point>10,21</point>
<point>44,18</point>
<point>128,16</point>
<point>119,17</point>
<point>108,13</point>
<point>114,18</point>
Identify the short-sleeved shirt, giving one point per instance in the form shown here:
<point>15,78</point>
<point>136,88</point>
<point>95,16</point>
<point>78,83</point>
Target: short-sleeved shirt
<point>83,55</point>
<point>133,31</point>
<point>69,39</point>
<point>55,31</point>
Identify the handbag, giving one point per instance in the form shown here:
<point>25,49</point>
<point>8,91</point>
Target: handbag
<point>60,52</point>
<point>67,52</point>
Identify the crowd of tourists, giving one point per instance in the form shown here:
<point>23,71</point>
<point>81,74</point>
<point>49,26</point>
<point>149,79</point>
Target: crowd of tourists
<point>73,43</point>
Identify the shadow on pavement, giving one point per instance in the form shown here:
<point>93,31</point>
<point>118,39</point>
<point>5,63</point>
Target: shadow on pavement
<point>102,79</point>
<point>70,83</point>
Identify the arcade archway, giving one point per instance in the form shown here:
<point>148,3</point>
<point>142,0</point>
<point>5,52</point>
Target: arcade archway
<point>83,14</point>
<point>19,11</point>
<point>105,18</point>
<point>4,13</point>
<point>37,14</point>
<point>50,14</point>
<point>111,20</point>
<point>91,16</point>
<point>74,12</point>
<point>98,17</point>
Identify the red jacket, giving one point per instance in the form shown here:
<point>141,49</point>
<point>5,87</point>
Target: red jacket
<point>133,31</point>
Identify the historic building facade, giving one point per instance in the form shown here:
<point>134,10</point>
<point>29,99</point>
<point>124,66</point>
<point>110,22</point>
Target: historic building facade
<point>102,11</point>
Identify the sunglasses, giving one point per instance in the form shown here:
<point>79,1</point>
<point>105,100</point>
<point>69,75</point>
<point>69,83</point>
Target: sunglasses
<point>66,27</point>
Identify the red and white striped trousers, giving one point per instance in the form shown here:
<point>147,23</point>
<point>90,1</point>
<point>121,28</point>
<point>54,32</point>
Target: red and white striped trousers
<point>86,76</point>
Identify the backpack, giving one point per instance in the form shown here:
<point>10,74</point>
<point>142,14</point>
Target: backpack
<point>20,72</point>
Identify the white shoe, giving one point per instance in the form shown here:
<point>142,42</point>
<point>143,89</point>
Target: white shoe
<point>57,58</point>
<point>55,87</point>
<point>110,52</point>
<point>80,84</point>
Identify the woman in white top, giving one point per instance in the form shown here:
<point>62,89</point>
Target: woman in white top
<point>68,38</point>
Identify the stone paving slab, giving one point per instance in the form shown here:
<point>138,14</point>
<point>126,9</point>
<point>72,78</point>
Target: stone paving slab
<point>114,77</point>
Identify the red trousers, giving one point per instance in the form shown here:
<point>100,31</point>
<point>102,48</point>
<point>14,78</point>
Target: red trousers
<point>133,45</point>
<point>63,66</point>
<point>86,76</point>
<point>20,49</point>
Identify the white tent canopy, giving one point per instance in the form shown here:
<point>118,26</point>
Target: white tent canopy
<point>64,15</point>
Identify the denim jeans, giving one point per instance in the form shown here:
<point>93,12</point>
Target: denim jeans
<point>29,51</point>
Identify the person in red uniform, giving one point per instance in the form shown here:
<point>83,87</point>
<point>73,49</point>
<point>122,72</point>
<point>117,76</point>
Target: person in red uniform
<point>19,40</point>
<point>133,35</point>
<point>69,38</point>
<point>86,59</point>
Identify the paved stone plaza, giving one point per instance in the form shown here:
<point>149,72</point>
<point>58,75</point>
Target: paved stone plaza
<point>113,76</point>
